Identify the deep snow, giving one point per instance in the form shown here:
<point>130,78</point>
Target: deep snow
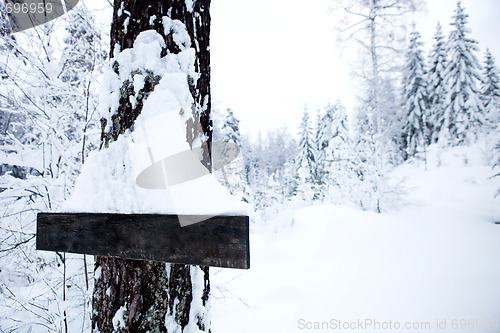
<point>436,259</point>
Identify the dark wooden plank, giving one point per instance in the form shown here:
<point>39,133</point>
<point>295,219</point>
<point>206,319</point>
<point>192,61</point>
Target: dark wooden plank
<point>221,241</point>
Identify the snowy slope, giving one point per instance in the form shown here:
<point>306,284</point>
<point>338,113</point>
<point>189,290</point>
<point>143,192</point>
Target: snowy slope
<point>434,260</point>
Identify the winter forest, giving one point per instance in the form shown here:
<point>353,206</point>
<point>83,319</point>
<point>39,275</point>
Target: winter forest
<point>387,210</point>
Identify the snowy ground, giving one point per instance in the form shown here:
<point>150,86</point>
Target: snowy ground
<point>433,264</point>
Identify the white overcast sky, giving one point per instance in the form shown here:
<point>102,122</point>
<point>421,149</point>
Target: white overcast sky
<point>270,58</point>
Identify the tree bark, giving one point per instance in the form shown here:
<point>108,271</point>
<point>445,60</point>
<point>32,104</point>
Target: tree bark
<point>150,291</point>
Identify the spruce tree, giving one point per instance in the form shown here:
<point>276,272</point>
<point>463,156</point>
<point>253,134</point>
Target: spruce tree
<point>331,138</point>
<point>464,108</point>
<point>491,90</point>
<point>322,139</point>
<point>306,159</point>
<point>231,128</point>
<point>231,175</point>
<point>415,131</point>
<point>436,84</point>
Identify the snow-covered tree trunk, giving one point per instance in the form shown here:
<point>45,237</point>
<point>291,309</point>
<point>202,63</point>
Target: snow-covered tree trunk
<point>144,296</point>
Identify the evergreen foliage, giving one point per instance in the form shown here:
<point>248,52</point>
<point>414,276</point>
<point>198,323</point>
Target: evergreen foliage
<point>415,100</point>
<point>437,89</point>
<point>332,138</point>
<point>491,90</point>
<point>464,108</point>
<point>306,159</point>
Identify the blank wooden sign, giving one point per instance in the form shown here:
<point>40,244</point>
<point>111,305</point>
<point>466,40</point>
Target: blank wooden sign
<point>221,241</point>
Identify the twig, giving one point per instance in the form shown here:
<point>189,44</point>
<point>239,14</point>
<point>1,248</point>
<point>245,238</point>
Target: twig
<point>19,244</point>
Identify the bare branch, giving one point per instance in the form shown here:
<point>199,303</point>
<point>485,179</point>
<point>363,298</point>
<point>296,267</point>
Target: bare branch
<point>353,25</point>
<point>18,244</point>
<point>355,13</point>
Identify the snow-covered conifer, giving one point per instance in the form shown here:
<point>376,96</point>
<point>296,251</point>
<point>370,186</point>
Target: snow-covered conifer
<point>435,83</point>
<point>415,131</point>
<point>306,158</point>
<point>231,128</point>
<point>331,138</point>
<point>464,108</point>
<point>491,89</point>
